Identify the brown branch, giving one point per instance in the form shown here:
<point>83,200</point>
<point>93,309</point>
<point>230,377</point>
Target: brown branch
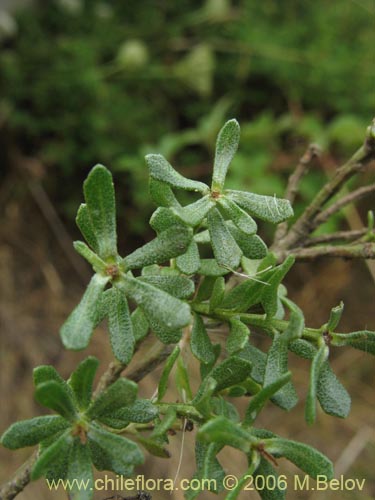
<point>342,202</point>
<point>347,236</point>
<point>20,479</point>
<point>355,251</point>
<point>305,224</point>
<point>294,180</point>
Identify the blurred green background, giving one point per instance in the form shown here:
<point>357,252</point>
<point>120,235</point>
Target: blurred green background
<point>88,81</point>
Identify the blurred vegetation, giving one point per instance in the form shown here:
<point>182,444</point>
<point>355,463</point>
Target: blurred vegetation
<point>88,81</point>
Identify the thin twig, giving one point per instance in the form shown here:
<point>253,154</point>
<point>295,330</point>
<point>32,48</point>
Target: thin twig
<point>304,224</point>
<point>20,479</point>
<point>355,251</point>
<point>347,236</point>
<point>342,202</point>
<point>294,180</point>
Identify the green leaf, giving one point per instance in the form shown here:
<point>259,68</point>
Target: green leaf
<point>335,316</point>
<point>140,324</point>
<point>161,170</point>
<point>194,213</point>
<point>100,200</point>
<point>217,293</point>
<point>82,379</point>
<point>257,358</point>
<point>223,431</point>
<point>156,304</point>
<point>80,472</point>
<point>332,395</point>
<point>227,252</point>
<point>54,395</point>
<point>241,219</point>
<point>209,267</point>
<point>231,371</point>
<point>203,398</point>
<point>141,412</point>
<point>303,456</point>
<point>276,367</point>
<point>252,246</point>
<point>208,467</point>
<point>182,380</point>
<point>266,470</point>
<point>97,263</point>
<point>226,147</point>
<point>270,293</point>
<point>205,288</point>
<point>53,457</point>
<point>243,480</point>
<point>154,447</point>
<point>120,326</point>
<point>163,218</point>
<point>189,262</point>
<point>162,194</point>
<point>164,333</point>
<point>316,365</point>
<point>113,452</point>
<point>200,342</point>
<point>260,399</point>
<point>363,340</point>
<point>32,431</point>
<point>178,286</point>
<point>121,393</point>
<point>78,328</point>
<point>296,323</point>
<point>163,381</point>
<point>168,244</point>
<point>45,373</point>
<point>86,227</point>
<point>164,425</point>
<point>221,406</point>
<point>268,208</point>
<point>238,336</point>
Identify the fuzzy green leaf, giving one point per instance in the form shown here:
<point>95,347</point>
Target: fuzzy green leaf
<point>270,293</point>
<point>227,253</point>
<point>54,395</point>
<point>257,358</point>
<point>121,393</point>
<point>120,326</point>
<point>200,342</point>
<point>332,395</point>
<point>140,324</point>
<point>268,208</point>
<point>231,371</point>
<point>296,323</point>
<point>189,262</point>
<point>266,470</point>
<point>226,147</point>
<point>54,456</point>
<point>260,399</point>
<point>97,263</point>
<point>238,336</point>
<point>335,316</point>
<point>100,200</point>
<point>78,328</point>
<point>155,448</point>
<point>203,398</point>
<point>162,194</point>
<point>82,379</point>
<point>209,267</point>
<point>217,295</point>
<point>164,425</point>
<point>194,213</point>
<point>32,431</point>
<point>113,452</point>
<point>182,380</point>
<point>363,340</point>
<point>80,472</point>
<point>303,456</point>
<point>86,227</point>
<point>237,215</point>
<point>156,304</point>
<point>168,244</point>
<point>163,381</point>
<point>45,373</point>
<point>164,333</point>
<point>141,412</point>
<point>163,218</point>
<point>178,286</point>
<point>316,365</point>
<point>223,431</point>
<point>276,367</point>
<point>161,170</point>
<point>252,246</point>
